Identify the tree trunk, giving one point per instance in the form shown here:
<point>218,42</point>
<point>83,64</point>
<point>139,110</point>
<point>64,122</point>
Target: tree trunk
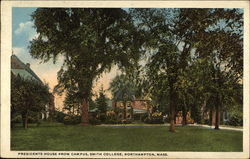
<point>172,113</point>
<point>124,110</point>
<point>25,120</point>
<point>172,120</point>
<point>184,116</point>
<point>85,112</point>
<point>210,117</point>
<point>217,118</point>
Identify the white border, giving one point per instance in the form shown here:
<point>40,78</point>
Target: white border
<point>6,20</point>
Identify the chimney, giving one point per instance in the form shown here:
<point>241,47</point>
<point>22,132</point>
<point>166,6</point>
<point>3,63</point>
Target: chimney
<point>27,64</point>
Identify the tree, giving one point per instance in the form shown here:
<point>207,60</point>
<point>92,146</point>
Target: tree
<point>72,102</point>
<point>226,58</point>
<point>162,66</point>
<point>91,40</point>
<point>174,36</point>
<point>162,72</point>
<point>28,95</point>
<point>126,83</point>
<point>101,102</point>
<point>203,79</point>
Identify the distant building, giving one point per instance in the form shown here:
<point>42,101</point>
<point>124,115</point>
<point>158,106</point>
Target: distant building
<point>133,109</point>
<point>24,71</point>
<point>127,106</point>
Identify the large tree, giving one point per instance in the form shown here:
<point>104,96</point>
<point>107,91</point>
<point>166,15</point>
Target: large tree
<point>90,40</point>
<point>175,36</point>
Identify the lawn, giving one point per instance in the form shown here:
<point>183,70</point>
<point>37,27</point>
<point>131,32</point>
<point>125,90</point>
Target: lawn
<point>58,137</point>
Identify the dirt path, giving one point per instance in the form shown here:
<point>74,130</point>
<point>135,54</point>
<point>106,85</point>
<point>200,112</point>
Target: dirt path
<point>148,125</point>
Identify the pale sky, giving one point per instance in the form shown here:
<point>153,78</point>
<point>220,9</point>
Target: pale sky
<point>22,33</point>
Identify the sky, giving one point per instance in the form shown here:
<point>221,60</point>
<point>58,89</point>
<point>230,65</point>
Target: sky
<point>23,32</point>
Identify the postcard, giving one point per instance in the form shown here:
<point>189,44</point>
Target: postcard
<point>125,79</point>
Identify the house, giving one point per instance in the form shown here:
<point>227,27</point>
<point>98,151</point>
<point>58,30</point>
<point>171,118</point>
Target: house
<point>24,71</point>
<point>127,106</point>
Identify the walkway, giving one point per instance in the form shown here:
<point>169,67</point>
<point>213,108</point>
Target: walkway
<point>221,127</point>
<point>132,125</point>
<point>148,125</point>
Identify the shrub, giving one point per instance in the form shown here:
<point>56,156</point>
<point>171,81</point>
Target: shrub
<point>94,121</point>
<point>205,121</point>
<point>127,121</point>
<point>59,116</point>
<point>156,118</point>
<point>71,120</point>
<point>32,119</point>
<point>234,121</point>
<point>102,117</point>
<point>111,121</point>
<point>17,119</point>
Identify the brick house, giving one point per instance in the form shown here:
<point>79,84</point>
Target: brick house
<point>132,108</point>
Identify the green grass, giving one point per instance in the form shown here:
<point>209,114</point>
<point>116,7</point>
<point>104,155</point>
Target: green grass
<point>57,137</point>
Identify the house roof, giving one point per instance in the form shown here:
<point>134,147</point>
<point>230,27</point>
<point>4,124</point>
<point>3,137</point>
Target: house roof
<point>139,111</point>
<point>24,70</point>
<point>23,73</point>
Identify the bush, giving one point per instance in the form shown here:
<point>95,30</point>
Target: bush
<point>111,121</point>
<point>235,117</point>
<point>115,121</point>
<point>157,118</point>
<point>102,117</point>
<point>59,116</point>
<point>205,121</point>
<point>32,119</point>
<point>16,119</point>
<point>235,121</point>
<point>154,120</point>
<point>144,117</point>
<point>71,120</point>
<point>94,122</point>
<point>128,121</point>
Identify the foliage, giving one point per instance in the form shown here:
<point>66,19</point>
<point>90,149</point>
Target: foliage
<point>16,119</point>
<point>122,88</point>
<point>126,84</point>
<point>193,57</point>
<point>59,116</point>
<point>28,96</point>
<point>235,120</point>
<point>71,119</point>
<point>235,115</point>
<point>90,41</point>
<point>92,104</point>
<point>156,118</point>
<point>176,40</point>
<point>102,117</point>
<point>101,102</point>
<point>111,117</point>
<point>32,118</point>
<point>72,101</point>
<point>94,122</point>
